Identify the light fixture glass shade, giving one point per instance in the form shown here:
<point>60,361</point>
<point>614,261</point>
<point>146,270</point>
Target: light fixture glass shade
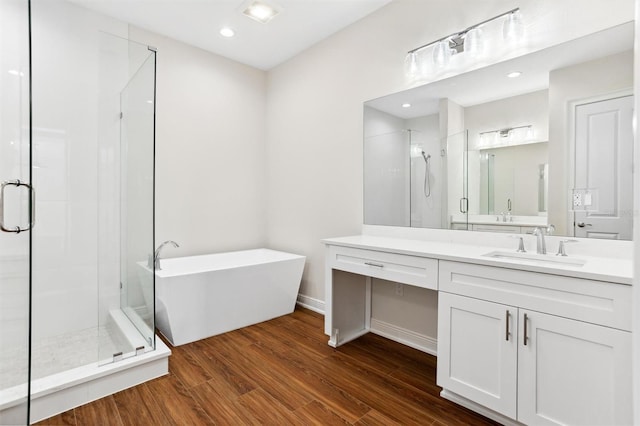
<point>411,68</point>
<point>513,27</point>
<point>474,42</point>
<point>441,53</point>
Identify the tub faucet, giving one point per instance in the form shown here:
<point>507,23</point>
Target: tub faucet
<point>155,263</point>
<point>539,232</point>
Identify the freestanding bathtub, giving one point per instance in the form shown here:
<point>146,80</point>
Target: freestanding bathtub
<point>201,296</point>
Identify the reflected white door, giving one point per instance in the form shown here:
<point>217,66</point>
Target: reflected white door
<point>604,163</point>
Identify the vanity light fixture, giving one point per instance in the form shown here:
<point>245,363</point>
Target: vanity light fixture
<point>261,11</point>
<point>507,136</point>
<point>469,41</point>
<point>227,32</point>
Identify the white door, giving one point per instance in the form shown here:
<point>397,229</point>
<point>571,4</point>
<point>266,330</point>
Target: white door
<point>477,351</point>
<point>604,164</point>
<point>572,373</point>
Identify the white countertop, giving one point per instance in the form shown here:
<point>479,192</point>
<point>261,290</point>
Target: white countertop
<point>496,219</point>
<point>596,268</point>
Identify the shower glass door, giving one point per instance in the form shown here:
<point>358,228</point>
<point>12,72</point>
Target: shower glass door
<point>15,212</point>
<point>137,141</point>
<point>126,198</point>
<point>457,149</point>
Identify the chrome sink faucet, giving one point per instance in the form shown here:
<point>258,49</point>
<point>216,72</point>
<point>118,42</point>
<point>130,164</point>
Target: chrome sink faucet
<point>155,263</point>
<point>539,232</point>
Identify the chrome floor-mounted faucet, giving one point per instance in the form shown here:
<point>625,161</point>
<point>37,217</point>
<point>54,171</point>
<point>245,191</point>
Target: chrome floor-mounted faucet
<point>155,263</point>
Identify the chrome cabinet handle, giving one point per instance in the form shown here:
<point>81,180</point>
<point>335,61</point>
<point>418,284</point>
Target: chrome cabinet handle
<point>32,206</point>
<point>377,265</point>
<point>507,334</point>
<point>582,224</point>
<point>525,330</point>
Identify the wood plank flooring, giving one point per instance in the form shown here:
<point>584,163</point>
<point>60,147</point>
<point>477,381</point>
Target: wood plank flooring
<point>281,372</point>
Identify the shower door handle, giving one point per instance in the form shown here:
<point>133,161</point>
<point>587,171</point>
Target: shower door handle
<point>464,204</point>
<point>32,206</point>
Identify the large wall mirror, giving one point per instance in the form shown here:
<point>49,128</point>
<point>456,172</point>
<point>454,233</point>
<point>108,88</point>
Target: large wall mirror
<point>545,138</point>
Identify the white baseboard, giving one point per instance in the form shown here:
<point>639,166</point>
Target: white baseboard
<point>406,337</point>
<point>315,305</point>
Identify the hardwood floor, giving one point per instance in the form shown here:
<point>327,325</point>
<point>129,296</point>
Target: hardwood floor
<point>281,372</point>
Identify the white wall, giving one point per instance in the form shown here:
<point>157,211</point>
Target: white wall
<point>210,149</point>
<point>315,108</point>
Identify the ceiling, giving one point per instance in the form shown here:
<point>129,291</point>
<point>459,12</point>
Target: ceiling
<point>299,25</point>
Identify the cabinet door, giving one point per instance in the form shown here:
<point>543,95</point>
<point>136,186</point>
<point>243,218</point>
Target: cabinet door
<point>572,373</point>
<point>477,351</point>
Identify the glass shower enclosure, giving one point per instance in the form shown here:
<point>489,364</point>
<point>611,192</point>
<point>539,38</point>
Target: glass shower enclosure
<point>16,212</point>
<point>76,290</point>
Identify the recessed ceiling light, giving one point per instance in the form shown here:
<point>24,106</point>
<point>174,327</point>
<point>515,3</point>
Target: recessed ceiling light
<point>406,105</point>
<point>227,32</point>
<point>261,11</point>
<point>514,74</point>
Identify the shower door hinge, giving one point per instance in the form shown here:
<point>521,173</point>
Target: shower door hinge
<point>121,286</point>
<point>121,115</point>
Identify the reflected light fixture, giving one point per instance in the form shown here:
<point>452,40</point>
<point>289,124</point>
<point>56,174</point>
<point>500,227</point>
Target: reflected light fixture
<point>507,136</point>
<point>227,32</point>
<point>406,105</point>
<point>470,41</point>
<point>513,27</point>
<point>514,74</point>
<point>261,11</point>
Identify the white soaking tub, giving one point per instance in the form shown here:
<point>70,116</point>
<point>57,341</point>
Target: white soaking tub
<point>201,296</point>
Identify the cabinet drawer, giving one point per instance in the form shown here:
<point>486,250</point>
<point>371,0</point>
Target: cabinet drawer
<point>497,228</point>
<point>413,270</point>
<point>596,302</point>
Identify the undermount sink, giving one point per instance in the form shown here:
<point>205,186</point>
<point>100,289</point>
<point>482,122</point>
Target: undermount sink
<point>548,259</point>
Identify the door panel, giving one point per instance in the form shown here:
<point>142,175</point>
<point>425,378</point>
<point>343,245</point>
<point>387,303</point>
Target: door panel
<point>604,165</point>
<point>572,373</point>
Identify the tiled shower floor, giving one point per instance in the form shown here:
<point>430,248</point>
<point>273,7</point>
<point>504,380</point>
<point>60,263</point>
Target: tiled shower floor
<point>60,353</point>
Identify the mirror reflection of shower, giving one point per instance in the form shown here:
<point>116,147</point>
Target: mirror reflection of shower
<point>427,180</point>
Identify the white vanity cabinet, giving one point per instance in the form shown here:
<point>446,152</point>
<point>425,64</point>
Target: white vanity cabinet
<point>536,348</point>
<point>477,351</point>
